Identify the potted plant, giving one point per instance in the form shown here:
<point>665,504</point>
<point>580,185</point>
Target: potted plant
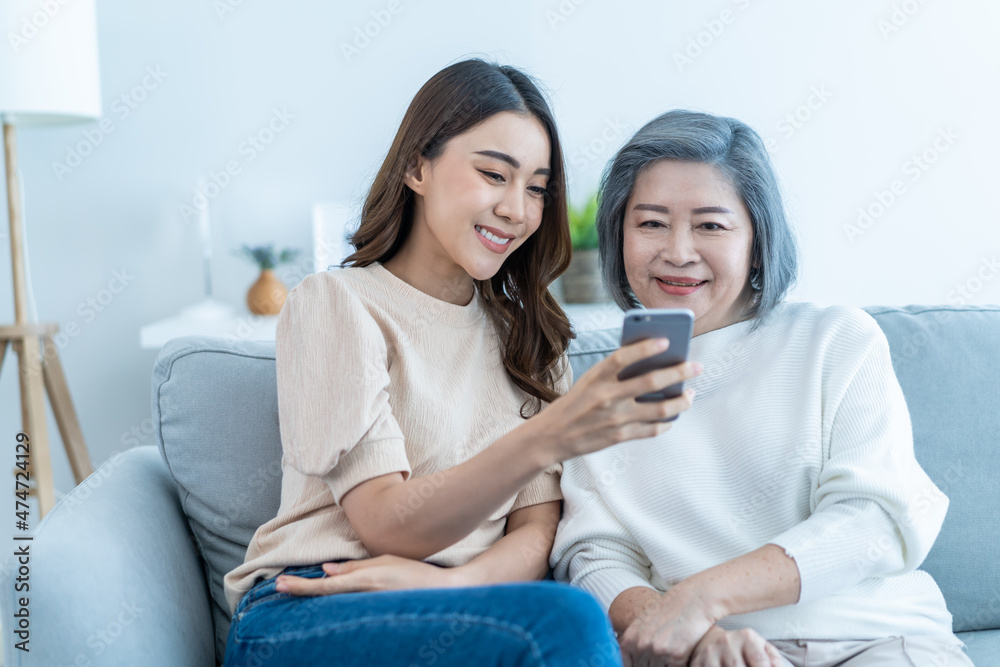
<point>267,295</point>
<point>582,280</point>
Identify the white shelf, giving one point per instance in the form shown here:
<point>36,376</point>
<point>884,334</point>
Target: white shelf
<point>208,318</point>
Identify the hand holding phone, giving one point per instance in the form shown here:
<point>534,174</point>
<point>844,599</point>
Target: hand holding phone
<point>600,409</point>
<point>674,324</point>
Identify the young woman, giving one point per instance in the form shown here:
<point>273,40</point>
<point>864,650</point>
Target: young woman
<point>425,409</point>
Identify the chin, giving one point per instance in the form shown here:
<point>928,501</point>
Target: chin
<point>483,270</point>
<point>655,298</point>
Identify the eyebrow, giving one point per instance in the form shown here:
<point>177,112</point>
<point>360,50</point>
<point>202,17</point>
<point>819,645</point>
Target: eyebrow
<point>503,157</point>
<point>664,209</point>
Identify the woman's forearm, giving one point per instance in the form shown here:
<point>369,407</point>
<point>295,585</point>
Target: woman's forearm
<point>631,604</point>
<point>423,515</point>
<point>520,555</point>
<point>761,579</point>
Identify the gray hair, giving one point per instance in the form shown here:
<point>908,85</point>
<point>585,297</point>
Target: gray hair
<point>739,153</point>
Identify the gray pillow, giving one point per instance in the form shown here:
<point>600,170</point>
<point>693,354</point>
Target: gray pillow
<point>215,410</point>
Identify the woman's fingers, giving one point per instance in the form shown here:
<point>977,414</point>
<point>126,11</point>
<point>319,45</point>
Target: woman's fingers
<point>755,655</point>
<point>332,568</point>
<point>776,659</point>
<point>657,379</point>
<point>314,587</point>
<point>627,355</point>
<point>658,644</point>
<point>360,564</point>
<point>736,648</point>
<point>706,652</point>
<point>600,410</point>
<point>642,430</point>
<point>752,647</point>
<point>304,586</point>
<point>660,410</point>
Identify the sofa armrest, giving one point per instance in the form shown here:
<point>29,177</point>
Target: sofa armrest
<point>114,576</point>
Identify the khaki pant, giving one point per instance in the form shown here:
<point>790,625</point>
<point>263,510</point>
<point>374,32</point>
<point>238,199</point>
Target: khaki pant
<point>890,652</point>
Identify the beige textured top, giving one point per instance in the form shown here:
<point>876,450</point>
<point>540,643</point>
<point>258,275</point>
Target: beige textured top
<point>375,376</point>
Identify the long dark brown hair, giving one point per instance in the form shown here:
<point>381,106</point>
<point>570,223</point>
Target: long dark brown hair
<point>533,329</point>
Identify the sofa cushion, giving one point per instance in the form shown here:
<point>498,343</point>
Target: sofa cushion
<point>982,646</point>
<point>947,362</point>
<point>215,411</point>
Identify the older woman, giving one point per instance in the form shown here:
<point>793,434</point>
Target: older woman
<point>784,515</point>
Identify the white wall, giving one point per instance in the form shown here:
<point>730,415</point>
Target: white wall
<point>609,66</point>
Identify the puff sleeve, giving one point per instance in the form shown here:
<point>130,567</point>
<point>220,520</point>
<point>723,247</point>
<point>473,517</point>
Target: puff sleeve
<point>334,410</point>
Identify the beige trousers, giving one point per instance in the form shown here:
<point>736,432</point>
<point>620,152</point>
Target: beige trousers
<point>889,652</point>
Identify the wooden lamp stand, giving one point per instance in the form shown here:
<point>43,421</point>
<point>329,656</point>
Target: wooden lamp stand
<point>29,339</point>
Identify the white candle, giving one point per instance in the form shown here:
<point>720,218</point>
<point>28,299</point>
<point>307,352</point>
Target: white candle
<point>205,227</point>
<point>204,224</point>
<point>331,222</point>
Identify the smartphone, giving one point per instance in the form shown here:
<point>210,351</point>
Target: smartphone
<point>674,324</point>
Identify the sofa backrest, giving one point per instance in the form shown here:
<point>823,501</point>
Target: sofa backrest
<point>947,360</point>
<point>215,411</point>
<point>214,405</point>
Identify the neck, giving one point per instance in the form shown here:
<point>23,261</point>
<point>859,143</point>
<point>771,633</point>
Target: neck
<point>425,265</point>
<point>734,316</point>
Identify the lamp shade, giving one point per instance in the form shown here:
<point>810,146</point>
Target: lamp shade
<point>49,69</point>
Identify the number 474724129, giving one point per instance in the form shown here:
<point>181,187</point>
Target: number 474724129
<point>22,478</point>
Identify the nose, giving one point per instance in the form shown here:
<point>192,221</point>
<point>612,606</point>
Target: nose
<point>679,247</point>
<point>512,206</point>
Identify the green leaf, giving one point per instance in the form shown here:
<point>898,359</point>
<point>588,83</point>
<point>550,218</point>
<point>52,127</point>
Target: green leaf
<point>264,256</point>
<point>583,225</point>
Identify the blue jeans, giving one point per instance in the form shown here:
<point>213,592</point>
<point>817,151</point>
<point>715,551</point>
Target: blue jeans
<point>524,624</point>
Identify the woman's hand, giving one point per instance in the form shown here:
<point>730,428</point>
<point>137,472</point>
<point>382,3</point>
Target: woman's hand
<point>382,573</point>
<point>600,410</point>
<point>667,630</point>
<point>735,648</point>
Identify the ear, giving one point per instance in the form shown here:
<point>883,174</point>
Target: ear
<point>415,175</point>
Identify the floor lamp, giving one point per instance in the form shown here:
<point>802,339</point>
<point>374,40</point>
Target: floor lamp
<point>48,75</point>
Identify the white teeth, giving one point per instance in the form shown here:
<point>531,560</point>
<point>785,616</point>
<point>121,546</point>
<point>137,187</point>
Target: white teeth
<point>491,237</point>
<point>681,284</point>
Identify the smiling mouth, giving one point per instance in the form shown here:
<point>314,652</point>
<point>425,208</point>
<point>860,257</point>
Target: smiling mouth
<point>492,237</point>
<point>667,282</point>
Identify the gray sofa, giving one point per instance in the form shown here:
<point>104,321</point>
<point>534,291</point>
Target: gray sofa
<point>128,568</point>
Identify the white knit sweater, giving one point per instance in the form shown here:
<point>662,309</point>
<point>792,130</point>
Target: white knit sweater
<point>799,436</point>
